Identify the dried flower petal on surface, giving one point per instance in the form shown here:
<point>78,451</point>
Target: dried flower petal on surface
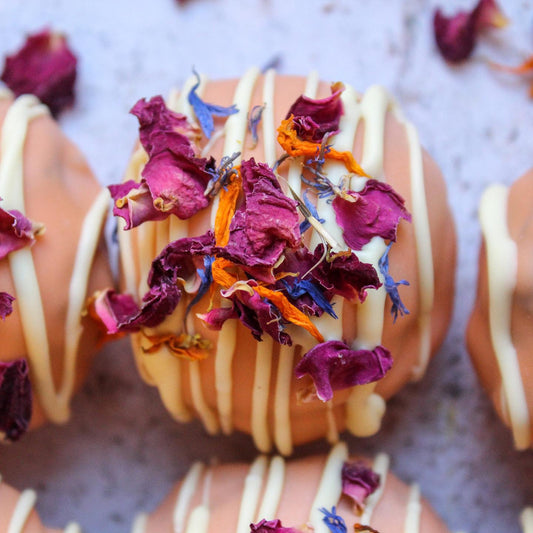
<point>358,482</point>
<point>6,307</point>
<point>45,67</point>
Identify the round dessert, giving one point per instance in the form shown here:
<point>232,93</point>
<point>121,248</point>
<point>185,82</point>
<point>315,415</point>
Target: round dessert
<point>272,307</point>
<point>17,514</point>
<point>52,212</point>
<point>319,493</point>
<point>499,335</point>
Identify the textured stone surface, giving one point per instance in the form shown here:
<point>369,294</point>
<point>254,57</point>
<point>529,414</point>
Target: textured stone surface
<point>121,452</point>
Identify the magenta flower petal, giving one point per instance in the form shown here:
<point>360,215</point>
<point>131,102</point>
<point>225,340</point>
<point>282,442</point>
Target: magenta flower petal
<point>114,310</point>
<point>133,202</point>
<point>15,399</point>
<point>358,482</point>
<point>266,223</point>
<point>16,231</point>
<point>271,526</point>
<point>161,129</point>
<point>177,183</point>
<point>314,118</point>
<point>45,67</point>
<point>332,366</point>
<point>6,307</point>
<point>374,211</point>
<point>456,36</point>
<point>215,318</point>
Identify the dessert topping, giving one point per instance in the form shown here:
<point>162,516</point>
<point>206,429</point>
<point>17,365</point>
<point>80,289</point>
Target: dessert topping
<point>6,307</point>
<point>16,231</point>
<point>391,286</point>
<point>358,482</point>
<point>45,67</point>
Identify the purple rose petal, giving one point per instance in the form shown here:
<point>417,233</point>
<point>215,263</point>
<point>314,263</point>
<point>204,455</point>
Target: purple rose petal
<point>271,526</point>
<point>15,399</point>
<point>332,366</point>
<point>358,482</point>
<point>45,67</point>
<point>374,211</point>
<point>6,307</point>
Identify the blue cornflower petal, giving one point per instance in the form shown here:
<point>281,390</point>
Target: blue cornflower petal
<point>335,523</point>
<point>204,112</point>
<point>206,280</point>
<point>391,286</point>
<point>253,121</point>
<point>305,225</point>
<point>303,286</point>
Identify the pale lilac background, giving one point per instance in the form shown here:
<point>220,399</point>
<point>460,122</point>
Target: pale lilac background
<point>121,452</point>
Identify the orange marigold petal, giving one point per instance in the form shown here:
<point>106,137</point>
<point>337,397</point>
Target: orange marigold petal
<point>226,209</point>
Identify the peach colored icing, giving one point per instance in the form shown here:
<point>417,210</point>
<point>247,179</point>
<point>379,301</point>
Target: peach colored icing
<point>257,503</point>
<point>365,408</point>
<point>502,271</point>
<point>13,135</point>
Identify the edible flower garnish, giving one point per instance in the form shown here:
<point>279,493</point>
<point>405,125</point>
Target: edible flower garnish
<point>16,231</point>
<point>314,118</point>
<point>204,112</point>
<point>254,117</point>
<point>335,523</point>
<point>391,286</point>
<point>15,399</point>
<point>6,307</point>
<point>45,67</point>
<point>526,67</point>
<point>174,180</point>
<point>376,210</point>
<point>333,365</point>
<point>271,526</point>
<point>358,482</point>
<point>185,346</point>
<point>456,36</point>
<point>360,528</point>
<point>265,224</point>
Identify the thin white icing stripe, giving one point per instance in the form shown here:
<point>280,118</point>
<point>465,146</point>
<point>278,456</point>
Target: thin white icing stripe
<point>250,496</point>
<point>73,527</point>
<point>199,520</point>
<point>332,434</point>
<point>269,128</point>
<point>381,467</point>
<point>414,510</point>
<point>260,394</point>
<point>140,523</point>
<point>330,487</point>
<point>364,411</point>
<point>502,271</point>
<point>22,511</point>
<point>273,490</point>
<point>183,501</point>
<point>145,254</point>
<point>424,254</point>
<point>226,346</point>
<point>208,417</point>
<point>282,418</point>
<point>526,520</point>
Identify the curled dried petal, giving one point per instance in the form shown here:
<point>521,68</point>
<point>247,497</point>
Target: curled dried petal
<point>358,482</point>
<point>16,231</point>
<point>271,526</point>
<point>15,399</point>
<point>6,307</point>
<point>333,365</point>
<point>45,67</point>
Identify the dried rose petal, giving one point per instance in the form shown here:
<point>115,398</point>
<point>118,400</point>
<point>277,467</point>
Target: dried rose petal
<point>45,67</point>
<point>332,365</point>
<point>265,224</point>
<point>113,309</point>
<point>5,304</point>
<point>15,399</point>
<point>271,526</point>
<point>374,211</point>
<point>456,35</point>
<point>160,127</point>
<point>358,482</point>
<point>16,231</point>
<point>314,118</point>
<point>133,202</point>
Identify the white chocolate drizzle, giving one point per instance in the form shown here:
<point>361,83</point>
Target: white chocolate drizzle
<point>414,510</point>
<point>526,520</point>
<point>23,509</point>
<point>364,408</point>
<point>251,494</point>
<point>55,403</point>
<point>502,260</point>
<point>185,495</point>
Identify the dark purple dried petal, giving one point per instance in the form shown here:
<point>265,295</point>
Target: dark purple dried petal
<point>161,129</point>
<point>271,526</point>
<point>456,36</point>
<point>45,67</point>
<point>332,366</point>
<point>5,304</point>
<point>15,399</point>
<point>177,183</point>
<point>16,231</point>
<point>133,202</point>
<point>358,482</point>
<point>314,118</point>
<point>374,211</point>
<point>265,224</point>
